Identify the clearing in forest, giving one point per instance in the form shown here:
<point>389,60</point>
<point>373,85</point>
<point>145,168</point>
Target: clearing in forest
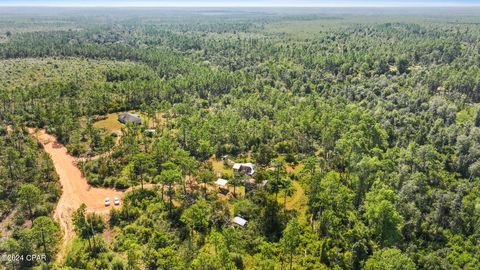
<point>110,123</point>
<point>75,188</point>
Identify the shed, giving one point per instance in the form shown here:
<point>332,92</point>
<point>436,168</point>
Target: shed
<point>239,221</point>
<point>237,166</point>
<point>221,182</point>
<point>129,118</point>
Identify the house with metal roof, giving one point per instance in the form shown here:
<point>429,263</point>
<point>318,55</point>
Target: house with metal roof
<point>128,117</point>
<point>246,168</point>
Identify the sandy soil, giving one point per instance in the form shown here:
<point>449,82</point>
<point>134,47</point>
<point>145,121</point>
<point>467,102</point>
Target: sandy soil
<point>75,188</point>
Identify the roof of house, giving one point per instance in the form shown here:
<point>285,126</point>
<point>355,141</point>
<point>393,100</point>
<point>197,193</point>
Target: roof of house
<point>237,166</point>
<point>129,117</point>
<point>240,221</point>
<point>221,182</point>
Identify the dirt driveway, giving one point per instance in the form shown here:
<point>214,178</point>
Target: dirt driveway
<point>75,188</point>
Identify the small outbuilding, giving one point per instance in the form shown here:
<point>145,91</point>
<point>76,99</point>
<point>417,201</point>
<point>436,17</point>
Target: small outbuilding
<point>239,221</point>
<point>246,168</point>
<point>237,166</point>
<point>221,182</point>
<point>222,186</point>
<point>127,117</point>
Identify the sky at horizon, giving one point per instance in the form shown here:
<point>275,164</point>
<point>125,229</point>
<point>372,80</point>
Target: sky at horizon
<point>239,3</point>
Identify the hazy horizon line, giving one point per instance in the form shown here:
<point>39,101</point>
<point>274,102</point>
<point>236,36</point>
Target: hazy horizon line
<point>259,4</point>
<point>234,6</point>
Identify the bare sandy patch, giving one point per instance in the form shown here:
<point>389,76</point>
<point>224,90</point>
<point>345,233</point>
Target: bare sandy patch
<point>76,190</point>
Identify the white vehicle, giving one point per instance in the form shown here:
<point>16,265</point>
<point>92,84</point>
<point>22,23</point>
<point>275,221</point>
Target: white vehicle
<point>116,201</point>
<point>107,201</point>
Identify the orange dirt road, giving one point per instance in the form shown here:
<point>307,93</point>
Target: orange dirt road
<point>75,188</point>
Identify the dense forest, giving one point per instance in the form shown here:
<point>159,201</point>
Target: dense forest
<point>364,130</point>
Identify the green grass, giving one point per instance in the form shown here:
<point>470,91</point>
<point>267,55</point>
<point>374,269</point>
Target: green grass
<point>297,202</point>
<point>218,167</point>
<point>295,170</point>
<point>111,123</point>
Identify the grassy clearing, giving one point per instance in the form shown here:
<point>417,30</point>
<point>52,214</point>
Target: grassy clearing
<point>111,123</point>
<point>297,202</point>
<point>160,119</point>
<point>218,167</point>
<point>295,170</point>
